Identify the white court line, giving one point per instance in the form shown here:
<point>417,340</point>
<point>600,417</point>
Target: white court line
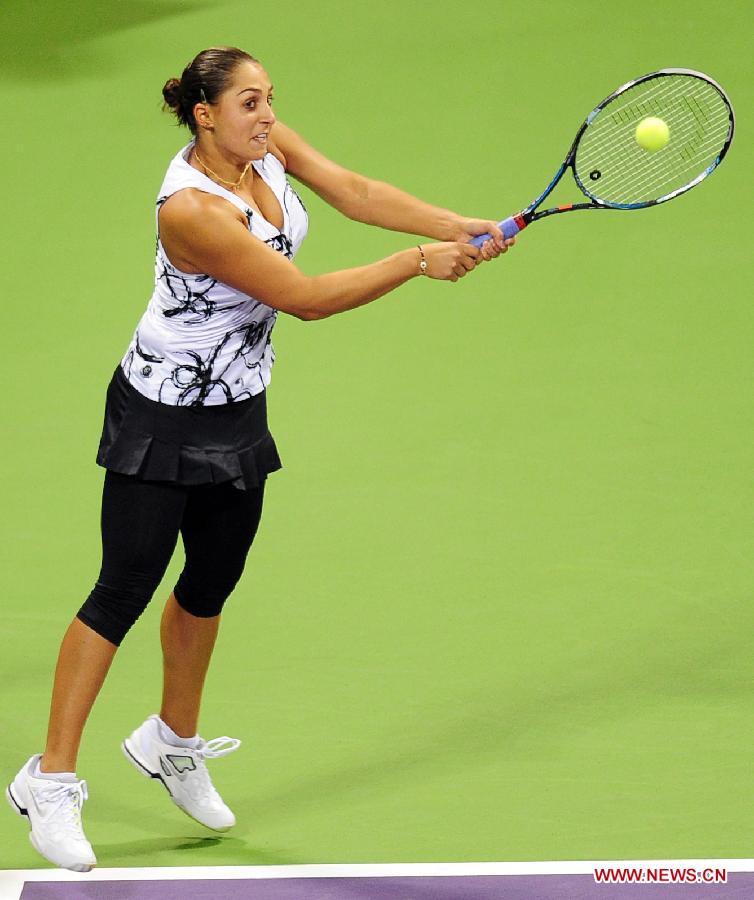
<point>12,880</point>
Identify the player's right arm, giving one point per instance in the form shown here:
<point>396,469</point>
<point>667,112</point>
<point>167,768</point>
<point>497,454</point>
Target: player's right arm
<point>207,234</point>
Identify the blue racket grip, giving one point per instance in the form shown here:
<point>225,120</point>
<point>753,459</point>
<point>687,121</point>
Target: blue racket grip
<point>510,227</point>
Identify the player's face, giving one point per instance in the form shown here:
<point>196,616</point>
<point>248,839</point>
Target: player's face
<point>243,113</point>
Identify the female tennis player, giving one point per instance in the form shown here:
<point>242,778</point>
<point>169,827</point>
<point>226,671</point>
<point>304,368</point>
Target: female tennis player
<point>185,441</point>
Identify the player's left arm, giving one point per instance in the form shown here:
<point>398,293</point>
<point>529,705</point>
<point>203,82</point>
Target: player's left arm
<point>373,202</point>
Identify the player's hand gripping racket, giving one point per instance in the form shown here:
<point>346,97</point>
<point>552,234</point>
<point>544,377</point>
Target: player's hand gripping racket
<point>651,140</point>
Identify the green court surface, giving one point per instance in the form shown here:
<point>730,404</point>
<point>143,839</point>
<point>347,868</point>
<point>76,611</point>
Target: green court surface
<point>500,603</point>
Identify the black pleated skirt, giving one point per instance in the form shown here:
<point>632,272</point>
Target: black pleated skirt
<point>186,445</point>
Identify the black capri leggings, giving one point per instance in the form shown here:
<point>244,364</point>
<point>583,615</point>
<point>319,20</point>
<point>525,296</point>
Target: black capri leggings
<point>140,522</point>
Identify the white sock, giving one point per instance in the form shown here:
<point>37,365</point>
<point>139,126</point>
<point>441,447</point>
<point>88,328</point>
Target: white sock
<point>170,737</point>
<point>53,776</point>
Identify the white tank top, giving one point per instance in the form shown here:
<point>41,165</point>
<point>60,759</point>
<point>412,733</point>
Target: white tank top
<point>201,342</point>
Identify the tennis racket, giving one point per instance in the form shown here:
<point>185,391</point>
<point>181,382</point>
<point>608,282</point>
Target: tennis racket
<point>614,171</point>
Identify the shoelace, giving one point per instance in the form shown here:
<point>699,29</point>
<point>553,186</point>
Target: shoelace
<point>68,797</point>
<point>211,749</point>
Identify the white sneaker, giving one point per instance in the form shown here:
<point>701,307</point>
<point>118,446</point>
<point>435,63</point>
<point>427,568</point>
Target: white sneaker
<point>183,772</point>
<point>53,809</point>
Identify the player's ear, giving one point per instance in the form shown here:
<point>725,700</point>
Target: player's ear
<point>203,116</point>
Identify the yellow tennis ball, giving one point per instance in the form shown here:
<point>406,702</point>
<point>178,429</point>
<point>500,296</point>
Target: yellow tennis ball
<point>652,134</point>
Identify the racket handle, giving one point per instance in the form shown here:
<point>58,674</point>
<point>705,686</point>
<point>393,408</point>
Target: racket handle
<point>510,227</point>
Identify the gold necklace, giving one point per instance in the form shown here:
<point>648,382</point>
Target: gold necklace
<point>207,169</point>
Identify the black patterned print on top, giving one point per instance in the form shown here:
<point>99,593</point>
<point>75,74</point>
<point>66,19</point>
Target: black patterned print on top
<point>147,357</point>
<point>190,300</point>
<point>282,244</point>
<point>198,379</point>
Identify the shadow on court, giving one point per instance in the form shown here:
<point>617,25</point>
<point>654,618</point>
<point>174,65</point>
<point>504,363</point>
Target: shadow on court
<point>44,41</point>
<point>126,850</point>
<point>229,849</point>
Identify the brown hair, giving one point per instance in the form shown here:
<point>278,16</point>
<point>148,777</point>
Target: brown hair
<point>203,80</point>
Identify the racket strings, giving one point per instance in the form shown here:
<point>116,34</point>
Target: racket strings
<point>613,167</point>
<point>672,177</point>
<point>643,176</point>
<point>695,140</point>
<point>632,115</point>
<point>695,137</point>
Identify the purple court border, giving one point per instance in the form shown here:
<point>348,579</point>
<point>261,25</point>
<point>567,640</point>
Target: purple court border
<point>740,885</point>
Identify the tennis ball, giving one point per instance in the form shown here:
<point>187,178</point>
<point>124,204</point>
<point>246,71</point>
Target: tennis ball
<point>652,134</point>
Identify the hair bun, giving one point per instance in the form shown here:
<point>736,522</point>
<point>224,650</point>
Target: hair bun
<point>172,93</point>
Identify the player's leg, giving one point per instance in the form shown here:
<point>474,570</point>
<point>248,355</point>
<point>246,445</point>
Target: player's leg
<point>140,522</point>
<point>218,528</point>
<point>187,645</point>
<point>83,662</point>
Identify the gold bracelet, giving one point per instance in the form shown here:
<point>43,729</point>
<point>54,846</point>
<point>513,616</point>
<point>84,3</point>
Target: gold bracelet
<point>423,262</point>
